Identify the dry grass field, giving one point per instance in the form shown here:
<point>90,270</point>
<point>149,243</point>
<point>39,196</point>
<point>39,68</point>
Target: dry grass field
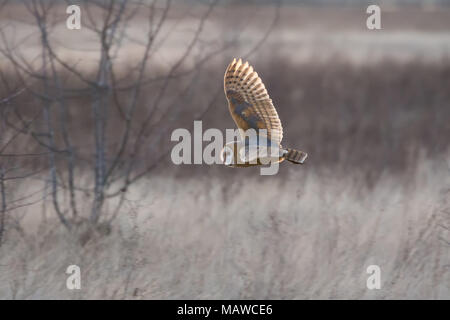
<point>309,236</point>
<point>371,110</point>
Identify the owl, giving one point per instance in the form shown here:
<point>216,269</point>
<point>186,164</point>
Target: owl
<point>252,110</point>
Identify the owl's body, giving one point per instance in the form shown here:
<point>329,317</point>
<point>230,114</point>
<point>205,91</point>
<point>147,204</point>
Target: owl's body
<point>251,108</point>
<point>245,155</point>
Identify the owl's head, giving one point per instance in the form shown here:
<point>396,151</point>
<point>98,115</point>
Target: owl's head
<point>228,155</point>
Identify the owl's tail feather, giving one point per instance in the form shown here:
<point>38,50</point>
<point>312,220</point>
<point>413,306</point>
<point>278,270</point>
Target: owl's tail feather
<point>295,156</point>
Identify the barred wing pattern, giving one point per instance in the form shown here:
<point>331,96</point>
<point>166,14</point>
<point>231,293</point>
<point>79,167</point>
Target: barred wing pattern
<point>248,101</point>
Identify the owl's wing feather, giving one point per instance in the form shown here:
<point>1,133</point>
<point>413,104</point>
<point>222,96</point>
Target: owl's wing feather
<point>249,103</point>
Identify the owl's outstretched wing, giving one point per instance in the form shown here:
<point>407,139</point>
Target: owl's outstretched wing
<point>249,103</point>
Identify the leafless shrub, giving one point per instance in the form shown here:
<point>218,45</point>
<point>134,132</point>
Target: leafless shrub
<point>116,109</point>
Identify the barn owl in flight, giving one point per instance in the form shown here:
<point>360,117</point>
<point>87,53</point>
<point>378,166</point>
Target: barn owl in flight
<point>251,108</point>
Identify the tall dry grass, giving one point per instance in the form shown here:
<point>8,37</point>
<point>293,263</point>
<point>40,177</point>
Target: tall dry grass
<point>305,236</point>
